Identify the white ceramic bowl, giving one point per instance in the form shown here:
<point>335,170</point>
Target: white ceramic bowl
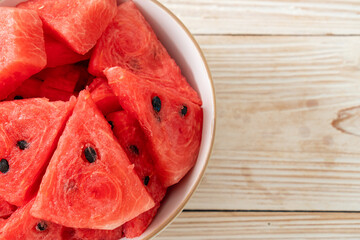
<point>184,49</point>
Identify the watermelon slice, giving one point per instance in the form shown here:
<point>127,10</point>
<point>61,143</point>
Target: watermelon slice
<point>22,51</point>
<point>63,77</point>
<point>90,166</point>
<point>91,234</point>
<point>58,53</point>
<point>29,131</point>
<point>77,23</point>
<point>103,96</point>
<point>172,123</point>
<point>21,225</point>
<point>54,94</point>
<point>130,42</point>
<point>133,140</point>
<point>30,88</point>
<point>6,209</point>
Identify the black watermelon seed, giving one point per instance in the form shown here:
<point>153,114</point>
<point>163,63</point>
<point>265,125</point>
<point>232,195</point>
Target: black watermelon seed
<point>156,102</point>
<point>183,110</point>
<point>134,149</point>
<point>4,166</point>
<point>90,154</point>
<point>18,97</point>
<point>22,144</point>
<point>41,226</point>
<point>146,180</point>
<point>111,124</point>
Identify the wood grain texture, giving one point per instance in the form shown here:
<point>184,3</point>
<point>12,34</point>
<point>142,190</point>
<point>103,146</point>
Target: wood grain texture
<point>269,226</point>
<point>272,17</point>
<point>275,146</point>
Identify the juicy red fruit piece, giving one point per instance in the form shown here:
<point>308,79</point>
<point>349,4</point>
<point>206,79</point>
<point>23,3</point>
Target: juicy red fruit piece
<point>174,138</point>
<point>103,96</point>
<point>21,225</point>
<point>77,23</point>
<point>109,185</point>
<point>132,138</point>
<point>39,123</point>
<point>22,51</point>
<point>129,42</point>
<point>58,53</point>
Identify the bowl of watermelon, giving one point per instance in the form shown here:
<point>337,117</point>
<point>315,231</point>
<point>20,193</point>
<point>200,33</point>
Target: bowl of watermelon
<point>107,118</point>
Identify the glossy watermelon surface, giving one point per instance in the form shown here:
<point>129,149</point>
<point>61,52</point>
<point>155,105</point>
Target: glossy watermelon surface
<point>78,23</point>
<point>58,53</point>
<point>63,77</point>
<point>103,96</point>
<point>21,225</point>
<point>6,209</point>
<point>130,42</point>
<point>89,166</point>
<point>91,234</point>
<point>29,130</point>
<point>22,48</point>
<point>30,88</point>
<point>172,123</point>
<point>131,137</point>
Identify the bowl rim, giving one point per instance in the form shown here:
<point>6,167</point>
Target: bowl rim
<point>179,209</point>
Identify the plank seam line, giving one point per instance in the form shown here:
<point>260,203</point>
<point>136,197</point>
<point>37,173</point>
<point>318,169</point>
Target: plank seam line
<point>275,211</point>
<point>273,35</point>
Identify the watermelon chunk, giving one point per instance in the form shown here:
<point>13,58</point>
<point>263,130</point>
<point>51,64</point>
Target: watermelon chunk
<point>22,51</point>
<point>58,53</point>
<point>133,140</point>
<point>30,88</point>
<point>130,42</point>
<point>54,94</point>
<point>172,123</point>
<point>77,23</point>
<point>103,96</point>
<point>6,209</point>
<point>63,77</point>
<point>91,234</point>
<point>90,166</point>
<point>21,225</point>
<point>29,130</point>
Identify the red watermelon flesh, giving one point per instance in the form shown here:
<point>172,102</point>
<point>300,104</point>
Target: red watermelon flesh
<point>77,23</point>
<point>91,234</point>
<point>29,130</point>
<point>172,123</point>
<point>103,96</point>
<point>130,42</point>
<point>89,166</point>
<point>54,94</point>
<point>133,140</point>
<point>30,88</point>
<point>22,51</point>
<point>21,225</point>
<point>6,209</point>
<point>58,53</point>
<point>63,77</point>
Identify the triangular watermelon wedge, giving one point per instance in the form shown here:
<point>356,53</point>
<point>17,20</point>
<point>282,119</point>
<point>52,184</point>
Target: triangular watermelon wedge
<point>132,138</point>
<point>6,209</point>
<point>172,123</point>
<point>89,166</point>
<point>22,48</point>
<point>130,42</point>
<point>21,225</point>
<point>78,23</point>
<point>29,130</point>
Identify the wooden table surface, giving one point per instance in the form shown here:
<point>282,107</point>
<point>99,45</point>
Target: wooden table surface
<point>286,160</point>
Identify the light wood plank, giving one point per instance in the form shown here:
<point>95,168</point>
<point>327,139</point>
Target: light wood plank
<point>275,226</point>
<point>268,16</point>
<point>275,145</point>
